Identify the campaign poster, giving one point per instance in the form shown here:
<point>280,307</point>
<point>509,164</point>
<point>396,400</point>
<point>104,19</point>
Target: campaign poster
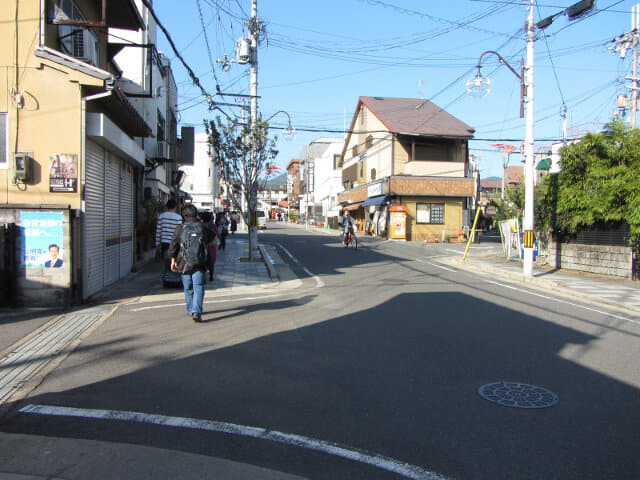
<point>42,239</point>
<point>63,173</point>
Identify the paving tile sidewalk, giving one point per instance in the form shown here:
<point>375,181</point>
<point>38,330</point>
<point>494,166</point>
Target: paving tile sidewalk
<point>612,292</point>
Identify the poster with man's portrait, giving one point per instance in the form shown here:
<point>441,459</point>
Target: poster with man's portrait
<point>42,239</point>
<point>63,172</point>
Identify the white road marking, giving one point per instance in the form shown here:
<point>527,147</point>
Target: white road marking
<point>375,460</point>
<point>241,299</point>
<point>565,302</point>
<point>289,254</point>
<point>319,283</point>
<point>436,265</point>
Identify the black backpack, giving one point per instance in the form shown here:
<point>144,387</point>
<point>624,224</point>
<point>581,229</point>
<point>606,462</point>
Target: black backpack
<point>193,245</point>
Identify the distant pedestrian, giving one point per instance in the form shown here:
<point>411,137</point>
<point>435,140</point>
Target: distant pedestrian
<point>207,221</point>
<point>167,223</point>
<point>188,252</point>
<point>233,224</point>
<point>223,229</point>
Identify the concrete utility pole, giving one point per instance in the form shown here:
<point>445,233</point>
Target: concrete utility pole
<point>527,222</point>
<point>622,44</point>
<point>634,89</point>
<point>253,195</point>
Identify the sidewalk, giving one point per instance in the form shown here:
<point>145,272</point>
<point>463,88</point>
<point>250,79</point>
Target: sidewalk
<point>608,291</point>
<point>40,340</point>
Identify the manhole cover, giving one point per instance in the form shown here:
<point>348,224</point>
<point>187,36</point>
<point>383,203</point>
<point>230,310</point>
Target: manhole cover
<point>518,395</point>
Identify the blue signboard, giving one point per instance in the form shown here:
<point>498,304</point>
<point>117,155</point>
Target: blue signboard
<point>42,239</point>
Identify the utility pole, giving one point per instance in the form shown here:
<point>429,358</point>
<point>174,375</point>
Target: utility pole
<point>528,151</point>
<point>623,43</point>
<point>253,75</point>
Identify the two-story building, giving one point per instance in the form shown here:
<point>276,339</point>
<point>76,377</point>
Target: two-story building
<point>410,154</point>
<point>70,167</point>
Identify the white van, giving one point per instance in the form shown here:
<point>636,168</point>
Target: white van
<point>261,219</point>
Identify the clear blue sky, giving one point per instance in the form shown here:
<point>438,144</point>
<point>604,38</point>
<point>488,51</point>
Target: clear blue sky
<point>318,58</point>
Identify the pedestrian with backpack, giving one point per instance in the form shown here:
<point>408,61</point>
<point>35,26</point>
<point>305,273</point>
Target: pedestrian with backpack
<point>188,252</point>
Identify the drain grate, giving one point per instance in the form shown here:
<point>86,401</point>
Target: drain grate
<point>518,395</point>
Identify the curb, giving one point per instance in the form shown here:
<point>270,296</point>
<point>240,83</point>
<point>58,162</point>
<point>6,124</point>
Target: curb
<point>557,287</point>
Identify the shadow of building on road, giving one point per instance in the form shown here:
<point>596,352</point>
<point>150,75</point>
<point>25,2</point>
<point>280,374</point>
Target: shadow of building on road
<point>399,379</point>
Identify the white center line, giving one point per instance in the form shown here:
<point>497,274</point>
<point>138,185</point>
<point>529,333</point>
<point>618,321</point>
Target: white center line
<point>357,455</point>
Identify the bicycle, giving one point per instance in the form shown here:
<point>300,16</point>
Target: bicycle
<point>350,241</point>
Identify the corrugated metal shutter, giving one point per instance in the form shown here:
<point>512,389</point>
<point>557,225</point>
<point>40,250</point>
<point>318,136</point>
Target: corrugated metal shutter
<point>126,219</point>
<point>94,220</point>
<point>112,218</point>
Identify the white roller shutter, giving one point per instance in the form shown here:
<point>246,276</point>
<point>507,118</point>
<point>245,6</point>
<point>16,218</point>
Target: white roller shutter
<point>112,218</point>
<point>126,219</point>
<point>93,255</point>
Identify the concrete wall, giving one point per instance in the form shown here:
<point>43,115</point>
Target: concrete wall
<point>599,259</point>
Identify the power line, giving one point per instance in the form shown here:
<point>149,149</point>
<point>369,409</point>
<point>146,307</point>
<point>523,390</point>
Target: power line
<point>206,41</point>
<point>194,78</point>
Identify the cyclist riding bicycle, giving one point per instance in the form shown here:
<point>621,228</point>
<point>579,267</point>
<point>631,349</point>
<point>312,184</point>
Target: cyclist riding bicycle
<point>347,226</point>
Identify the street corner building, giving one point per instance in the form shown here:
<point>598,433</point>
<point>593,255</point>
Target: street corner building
<point>406,172</point>
<point>72,145</point>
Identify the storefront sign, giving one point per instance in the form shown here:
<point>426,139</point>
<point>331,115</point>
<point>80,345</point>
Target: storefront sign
<point>375,189</point>
<point>63,173</point>
<point>42,239</point>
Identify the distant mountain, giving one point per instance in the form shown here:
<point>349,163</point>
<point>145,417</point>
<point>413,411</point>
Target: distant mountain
<point>493,179</point>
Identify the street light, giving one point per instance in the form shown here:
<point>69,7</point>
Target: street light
<point>289,132</point>
<point>526,96</point>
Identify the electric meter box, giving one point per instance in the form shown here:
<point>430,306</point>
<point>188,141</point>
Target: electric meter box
<point>22,166</point>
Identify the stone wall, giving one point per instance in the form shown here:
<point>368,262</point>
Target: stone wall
<point>600,259</point>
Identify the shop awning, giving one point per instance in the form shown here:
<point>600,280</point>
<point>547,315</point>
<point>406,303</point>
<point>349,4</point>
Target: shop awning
<point>544,164</point>
<point>379,200</point>
<point>352,206</point>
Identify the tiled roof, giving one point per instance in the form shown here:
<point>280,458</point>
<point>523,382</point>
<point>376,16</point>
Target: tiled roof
<point>514,175</point>
<point>416,116</point>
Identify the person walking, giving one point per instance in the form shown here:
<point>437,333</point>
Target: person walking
<point>167,223</point>
<point>223,230</point>
<point>188,253</point>
<point>207,221</point>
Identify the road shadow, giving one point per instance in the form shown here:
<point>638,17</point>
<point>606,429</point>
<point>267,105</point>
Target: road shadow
<point>399,379</point>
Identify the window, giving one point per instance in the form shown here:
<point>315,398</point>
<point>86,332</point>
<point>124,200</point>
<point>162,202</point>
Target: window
<point>4,140</point>
<point>160,128</point>
<point>337,164</point>
<point>369,142</point>
<point>354,151</point>
<point>78,42</point>
<point>373,174</point>
<point>432,213</point>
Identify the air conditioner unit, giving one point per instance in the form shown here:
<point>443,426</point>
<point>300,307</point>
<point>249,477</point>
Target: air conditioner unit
<point>79,43</point>
<point>163,150</point>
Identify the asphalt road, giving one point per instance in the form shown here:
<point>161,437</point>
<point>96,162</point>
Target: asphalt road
<point>370,369</point>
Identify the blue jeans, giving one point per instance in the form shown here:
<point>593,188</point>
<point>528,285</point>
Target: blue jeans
<point>194,291</point>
